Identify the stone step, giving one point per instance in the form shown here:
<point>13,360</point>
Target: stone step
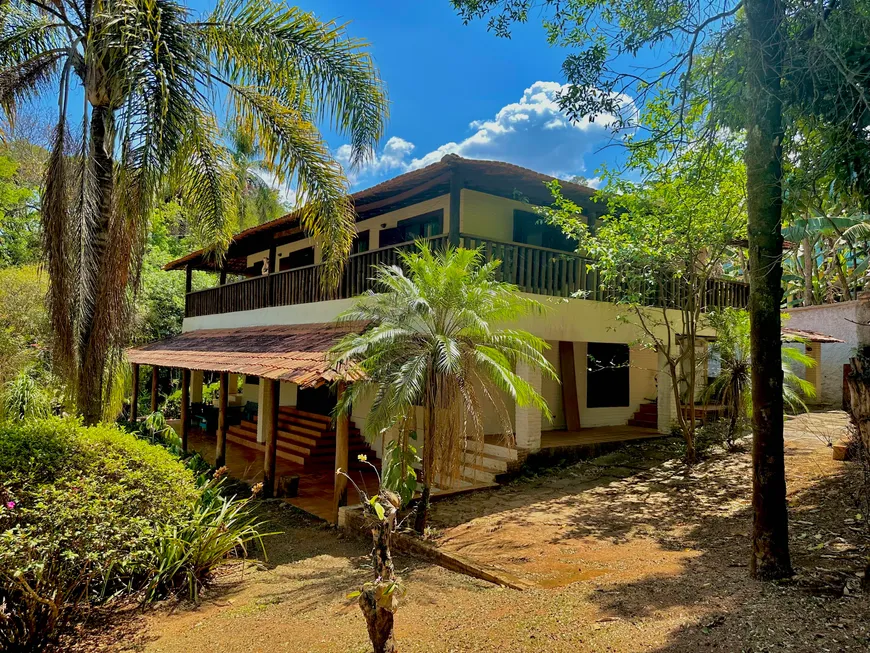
<point>494,450</point>
<point>488,462</point>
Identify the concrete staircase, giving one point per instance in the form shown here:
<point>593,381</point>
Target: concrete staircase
<point>307,439</point>
<point>483,463</point>
<point>646,416</point>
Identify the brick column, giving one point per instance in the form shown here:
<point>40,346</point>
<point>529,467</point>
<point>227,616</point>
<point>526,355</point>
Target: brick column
<point>528,418</point>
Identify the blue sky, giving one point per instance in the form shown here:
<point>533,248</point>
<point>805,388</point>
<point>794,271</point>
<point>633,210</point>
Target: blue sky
<point>458,88</point>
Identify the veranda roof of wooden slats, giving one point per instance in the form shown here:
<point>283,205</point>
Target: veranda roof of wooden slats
<point>293,353</point>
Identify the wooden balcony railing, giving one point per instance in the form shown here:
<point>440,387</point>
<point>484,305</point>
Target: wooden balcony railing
<point>536,270</point>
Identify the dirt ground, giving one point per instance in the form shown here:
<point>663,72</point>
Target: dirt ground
<point>629,552</point>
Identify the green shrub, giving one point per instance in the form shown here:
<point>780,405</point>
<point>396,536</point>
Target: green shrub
<point>184,553</point>
<point>81,508</point>
<point>171,408</point>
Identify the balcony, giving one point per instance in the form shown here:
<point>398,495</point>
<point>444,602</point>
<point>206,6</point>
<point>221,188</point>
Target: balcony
<point>534,270</point>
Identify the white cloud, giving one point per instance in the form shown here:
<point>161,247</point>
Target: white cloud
<point>392,158</point>
<point>531,132</point>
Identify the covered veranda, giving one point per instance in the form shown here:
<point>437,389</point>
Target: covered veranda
<point>294,355</point>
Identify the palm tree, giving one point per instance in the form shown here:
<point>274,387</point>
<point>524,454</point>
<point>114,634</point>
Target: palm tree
<point>135,82</point>
<point>434,341</point>
<point>733,385</point>
<point>257,201</point>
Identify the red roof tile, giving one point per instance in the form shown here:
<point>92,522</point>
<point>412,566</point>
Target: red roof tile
<point>294,353</point>
<point>812,336</point>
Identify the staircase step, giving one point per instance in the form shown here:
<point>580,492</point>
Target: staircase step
<point>643,422</point>
<point>490,463</point>
<point>494,450</point>
<point>317,417</point>
<point>648,409</point>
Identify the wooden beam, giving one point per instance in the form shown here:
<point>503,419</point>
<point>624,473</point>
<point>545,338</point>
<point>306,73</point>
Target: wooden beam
<point>134,398</point>
<point>268,413</point>
<point>456,182</point>
<point>220,455</point>
<point>568,372</point>
<point>154,372</point>
<point>342,423</point>
<point>185,408</point>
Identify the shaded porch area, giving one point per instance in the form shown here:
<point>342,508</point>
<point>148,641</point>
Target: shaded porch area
<point>266,437</point>
<point>316,486</point>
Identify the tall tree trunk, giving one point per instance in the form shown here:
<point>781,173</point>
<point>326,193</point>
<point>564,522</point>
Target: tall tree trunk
<point>770,554</point>
<point>422,516</point>
<point>808,272</point>
<point>92,347</point>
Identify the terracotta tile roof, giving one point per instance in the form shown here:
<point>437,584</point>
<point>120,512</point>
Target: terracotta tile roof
<point>295,353</point>
<point>812,336</point>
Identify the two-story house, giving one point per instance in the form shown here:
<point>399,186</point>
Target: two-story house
<point>275,328</point>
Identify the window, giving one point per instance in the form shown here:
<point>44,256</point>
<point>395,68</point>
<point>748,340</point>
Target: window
<point>252,380</point>
<point>530,229</point>
<point>607,375</point>
<point>360,243</point>
<point>421,226</point>
<point>297,259</point>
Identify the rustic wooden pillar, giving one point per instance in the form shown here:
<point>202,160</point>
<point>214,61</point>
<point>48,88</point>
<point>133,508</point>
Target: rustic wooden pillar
<point>220,455</point>
<point>134,399</point>
<point>568,372</point>
<point>268,415</point>
<point>188,279</point>
<point>223,277</point>
<point>270,287</point>
<point>342,423</point>
<point>154,371</point>
<point>185,408</point>
<point>456,182</point>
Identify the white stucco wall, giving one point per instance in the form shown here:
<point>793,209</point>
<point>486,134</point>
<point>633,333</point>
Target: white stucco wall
<point>832,320</point>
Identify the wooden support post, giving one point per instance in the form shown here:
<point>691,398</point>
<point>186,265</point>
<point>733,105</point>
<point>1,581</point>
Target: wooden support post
<point>568,372</point>
<point>273,262</point>
<point>456,182</point>
<point>223,277</point>
<point>154,371</point>
<point>134,398</point>
<point>188,279</point>
<point>220,454</point>
<point>185,408</point>
<point>342,422</point>
<point>268,414</point>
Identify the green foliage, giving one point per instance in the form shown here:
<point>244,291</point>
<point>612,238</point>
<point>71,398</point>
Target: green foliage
<point>19,217</point>
<point>151,130</point>
<point>433,341</point>
<point>400,474</point>
<point>184,553</point>
<point>681,222</point>
<point>733,385</point>
<point>91,512</point>
<point>24,397</point>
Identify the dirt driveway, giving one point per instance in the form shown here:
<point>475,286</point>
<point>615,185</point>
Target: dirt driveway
<point>631,552</point>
